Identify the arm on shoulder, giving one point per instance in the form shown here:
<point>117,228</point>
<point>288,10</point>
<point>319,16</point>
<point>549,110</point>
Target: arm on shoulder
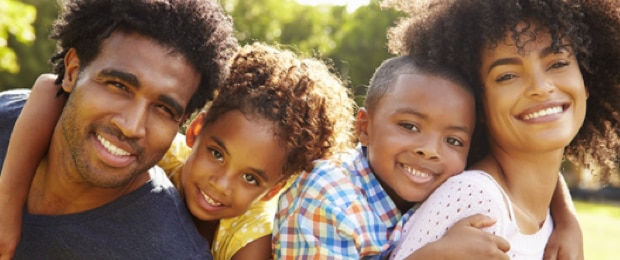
<point>454,211</point>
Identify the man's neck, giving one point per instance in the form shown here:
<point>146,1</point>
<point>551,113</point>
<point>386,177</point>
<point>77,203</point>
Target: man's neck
<point>58,190</point>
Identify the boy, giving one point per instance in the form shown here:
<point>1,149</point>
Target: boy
<point>414,133</point>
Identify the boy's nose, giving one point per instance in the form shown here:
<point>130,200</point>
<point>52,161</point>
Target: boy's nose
<point>428,151</point>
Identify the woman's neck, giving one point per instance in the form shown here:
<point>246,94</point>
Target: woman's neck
<point>529,179</point>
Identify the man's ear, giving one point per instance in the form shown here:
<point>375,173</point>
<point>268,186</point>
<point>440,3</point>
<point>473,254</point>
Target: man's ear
<point>194,129</point>
<point>72,68</point>
<point>361,126</point>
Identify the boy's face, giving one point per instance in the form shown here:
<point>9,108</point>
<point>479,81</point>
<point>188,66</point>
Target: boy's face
<point>418,135</point>
<point>124,108</point>
<point>234,161</point>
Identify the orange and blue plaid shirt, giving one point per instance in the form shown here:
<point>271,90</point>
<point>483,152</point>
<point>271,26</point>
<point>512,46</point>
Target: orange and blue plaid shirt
<point>337,211</point>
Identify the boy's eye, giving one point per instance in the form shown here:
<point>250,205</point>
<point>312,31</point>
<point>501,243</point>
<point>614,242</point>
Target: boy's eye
<point>216,155</point>
<point>454,141</point>
<point>249,178</point>
<point>409,126</point>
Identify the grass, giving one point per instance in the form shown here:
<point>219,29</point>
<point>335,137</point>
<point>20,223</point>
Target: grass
<point>601,228</point>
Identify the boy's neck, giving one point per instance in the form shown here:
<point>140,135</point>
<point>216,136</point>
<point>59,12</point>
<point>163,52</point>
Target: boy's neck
<point>401,204</point>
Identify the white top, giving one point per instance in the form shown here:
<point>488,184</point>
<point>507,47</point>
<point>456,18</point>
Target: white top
<point>464,195</point>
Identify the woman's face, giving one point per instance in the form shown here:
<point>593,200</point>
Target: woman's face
<point>534,101</point>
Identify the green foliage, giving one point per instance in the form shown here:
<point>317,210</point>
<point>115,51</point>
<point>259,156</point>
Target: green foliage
<point>16,19</point>
<point>354,43</point>
<point>32,57</point>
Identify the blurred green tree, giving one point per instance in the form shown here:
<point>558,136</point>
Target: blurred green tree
<point>31,56</point>
<point>16,19</point>
<point>353,42</point>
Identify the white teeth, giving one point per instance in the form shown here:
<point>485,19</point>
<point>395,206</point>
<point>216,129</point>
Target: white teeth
<point>112,148</point>
<point>415,172</point>
<point>210,200</point>
<point>548,111</point>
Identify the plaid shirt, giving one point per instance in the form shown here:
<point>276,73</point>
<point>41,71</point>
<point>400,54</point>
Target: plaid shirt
<point>337,211</point>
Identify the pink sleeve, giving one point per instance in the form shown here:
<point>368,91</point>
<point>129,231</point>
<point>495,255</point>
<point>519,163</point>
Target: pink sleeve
<point>461,196</point>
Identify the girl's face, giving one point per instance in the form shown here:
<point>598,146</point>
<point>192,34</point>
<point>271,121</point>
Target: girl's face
<point>534,101</point>
<point>234,161</point>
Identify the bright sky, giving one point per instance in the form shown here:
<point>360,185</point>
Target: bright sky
<point>351,4</point>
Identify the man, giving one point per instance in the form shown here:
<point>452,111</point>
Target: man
<point>133,70</point>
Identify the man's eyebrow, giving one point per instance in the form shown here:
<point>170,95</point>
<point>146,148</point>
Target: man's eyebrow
<point>223,146</point>
<point>133,81</point>
<point>124,76</point>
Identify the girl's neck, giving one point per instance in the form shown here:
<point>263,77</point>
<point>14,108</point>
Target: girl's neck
<point>207,228</point>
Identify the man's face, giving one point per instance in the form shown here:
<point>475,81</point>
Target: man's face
<point>124,108</point>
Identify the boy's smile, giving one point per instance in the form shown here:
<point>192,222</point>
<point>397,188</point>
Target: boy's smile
<point>418,135</point>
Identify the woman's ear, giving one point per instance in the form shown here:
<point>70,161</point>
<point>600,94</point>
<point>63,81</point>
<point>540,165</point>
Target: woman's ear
<point>194,129</point>
<point>72,68</point>
<point>361,126</point>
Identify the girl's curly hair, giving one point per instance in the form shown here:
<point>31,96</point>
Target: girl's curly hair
<point>199,30</point>
<point>455,32</point>
<point>311,109</point>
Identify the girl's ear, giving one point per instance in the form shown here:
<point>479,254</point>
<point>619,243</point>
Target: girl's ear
<point>361,126</point>
<point>194,129</point>
<point>72,68</point>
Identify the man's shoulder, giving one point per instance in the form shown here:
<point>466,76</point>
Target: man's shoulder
<point>11,104</point>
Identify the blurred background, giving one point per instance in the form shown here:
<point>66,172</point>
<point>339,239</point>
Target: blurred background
<point>348,34</point>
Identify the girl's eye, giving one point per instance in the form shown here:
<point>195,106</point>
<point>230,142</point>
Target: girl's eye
<point>249,178</point>
<point>216,155</point>
<point>409,126</point>
<point>505,77</point>
<point>454,141</point>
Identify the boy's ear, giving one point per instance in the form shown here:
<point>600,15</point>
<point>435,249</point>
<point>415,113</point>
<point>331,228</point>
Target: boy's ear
<point>274,190</point>
<point>194,129</point>
<point>72,68</point>
<point>361,126</point>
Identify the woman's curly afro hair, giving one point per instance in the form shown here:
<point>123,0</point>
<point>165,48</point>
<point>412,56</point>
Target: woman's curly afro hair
<point>454,33</point>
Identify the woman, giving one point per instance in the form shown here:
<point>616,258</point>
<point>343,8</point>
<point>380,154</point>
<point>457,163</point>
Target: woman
<point>537,65</point>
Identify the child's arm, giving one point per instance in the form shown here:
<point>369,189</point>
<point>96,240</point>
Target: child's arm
<point>566,241</point>
<point>259,249</point>
<point>464,240</point>
<point>28,144</point>
<point>174,159</point>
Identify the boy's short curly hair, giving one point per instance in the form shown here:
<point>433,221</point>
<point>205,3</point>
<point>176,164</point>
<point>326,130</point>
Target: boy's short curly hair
<point>454,33</point>
<point>311,109</point>
<point>197,29</point>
